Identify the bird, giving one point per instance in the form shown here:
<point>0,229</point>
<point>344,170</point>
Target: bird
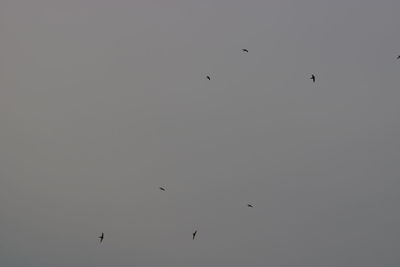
<point>194,234</point>
<point>162,188</point>
<point>312,77</point>
<point>101,237</point>
<point>249,205</point>
<point>208,77</point>
<point>398,57</point>
<point>245,50</point>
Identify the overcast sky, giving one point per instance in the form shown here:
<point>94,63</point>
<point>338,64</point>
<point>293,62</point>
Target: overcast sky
<point>102,102</point>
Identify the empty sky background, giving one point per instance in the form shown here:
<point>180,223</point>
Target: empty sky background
<point>102,102</point>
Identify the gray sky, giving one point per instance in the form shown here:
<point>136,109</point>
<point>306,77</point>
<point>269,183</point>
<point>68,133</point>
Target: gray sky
<point>102,102</point>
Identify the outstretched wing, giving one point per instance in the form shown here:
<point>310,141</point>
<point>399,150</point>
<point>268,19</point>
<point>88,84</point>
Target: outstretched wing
<point>101,237</point>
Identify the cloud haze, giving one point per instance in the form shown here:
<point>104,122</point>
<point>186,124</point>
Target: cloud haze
<point>102,102</point>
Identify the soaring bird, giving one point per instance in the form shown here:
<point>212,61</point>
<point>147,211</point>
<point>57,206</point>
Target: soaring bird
<point>208,77</point>
<point>398,57</point>
<point>245,50</point>
<point>194,234</point>
<point>101,237</point>
<point>249,205</point>
<point>162,188</point>
<point>312,77</point>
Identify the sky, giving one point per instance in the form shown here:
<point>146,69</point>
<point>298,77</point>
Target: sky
<point>102,102</point>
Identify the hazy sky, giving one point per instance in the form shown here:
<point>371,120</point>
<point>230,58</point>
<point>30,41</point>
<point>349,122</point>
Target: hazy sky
<point>102,102</point>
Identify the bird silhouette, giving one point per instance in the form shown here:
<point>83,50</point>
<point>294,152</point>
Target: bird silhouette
<point>208,77</point>
<point>398,57</point>
<point>245,50</point>
<point>249,205</point>
<point>101,237</point>
<point>194,234</point>
<point>162,188</point>
<point>312,77</point>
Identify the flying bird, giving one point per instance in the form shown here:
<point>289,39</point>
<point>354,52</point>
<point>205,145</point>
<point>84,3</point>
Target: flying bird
<point>101,237</point>
<point>194,234</point>
<point>162,188</point>
<point>245,50</point>
<point>398,57</point>
<point>249,205</point>
<point>208,77</point>
<point>312,77</point>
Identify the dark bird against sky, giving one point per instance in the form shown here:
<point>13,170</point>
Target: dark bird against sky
<point>208,77</point>
<point>245,50</point>
<point>312,77</point>
<point>249,205</point>
<point>101,237</point>
<point>194,234</point>
<point>162,188</point>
